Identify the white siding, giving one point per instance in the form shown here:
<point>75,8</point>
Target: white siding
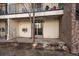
<point>17,26</point>
<point>13,29</point>
<point>51,28</point>
<point>27,25</point>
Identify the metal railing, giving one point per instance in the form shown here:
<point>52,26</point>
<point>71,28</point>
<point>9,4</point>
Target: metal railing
<point>24,10</point>
<point>3,12</point>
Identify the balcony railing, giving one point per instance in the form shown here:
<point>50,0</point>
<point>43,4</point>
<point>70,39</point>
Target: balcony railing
<point>24,10</point>
<point>3,12</point>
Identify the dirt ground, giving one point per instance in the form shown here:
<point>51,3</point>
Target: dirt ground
<point>12,49</point>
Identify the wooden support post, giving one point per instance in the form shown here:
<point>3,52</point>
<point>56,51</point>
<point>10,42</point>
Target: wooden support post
<point>8,29</point>
<point>8,21</point>
<point>33,24</point>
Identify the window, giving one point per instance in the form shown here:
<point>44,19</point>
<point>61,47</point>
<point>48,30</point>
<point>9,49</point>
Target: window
<point>61,6</point>
<point>38,27</point>
<point>24,29</point>
<point>3,8</point>
<point>77,11</point>
<point>2,29</point>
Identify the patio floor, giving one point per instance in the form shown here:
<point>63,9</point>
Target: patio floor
<point>28,40</point>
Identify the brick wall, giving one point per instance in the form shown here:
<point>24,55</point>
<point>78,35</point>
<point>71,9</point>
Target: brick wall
<point>69,31</point>
<point>75,31</point>
<point>65,26</point>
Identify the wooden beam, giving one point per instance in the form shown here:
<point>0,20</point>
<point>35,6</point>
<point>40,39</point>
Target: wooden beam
<point>33,24</point>
<point>8,29</point>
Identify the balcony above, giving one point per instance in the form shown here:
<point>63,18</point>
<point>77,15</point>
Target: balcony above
<point>42,13</point>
